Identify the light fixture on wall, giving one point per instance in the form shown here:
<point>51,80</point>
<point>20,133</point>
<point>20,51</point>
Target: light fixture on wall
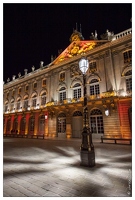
<point>46,117</point>
<point>107,112</point>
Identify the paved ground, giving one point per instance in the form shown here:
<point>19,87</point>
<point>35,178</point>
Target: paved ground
<point>51,168</point>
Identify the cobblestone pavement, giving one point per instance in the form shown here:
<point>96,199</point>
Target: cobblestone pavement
<point>51,168</point>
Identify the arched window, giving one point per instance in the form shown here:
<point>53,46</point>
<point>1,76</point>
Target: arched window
<point>12,104</point>
<point>34,101</point>
<point>96,121</point>
<point>25,102</point>
<point>77,113</point>
<point>43,98</point>
<point>18,103</point>
<point>77,91</point>
<point>94,87</point>
<point>62,94</point>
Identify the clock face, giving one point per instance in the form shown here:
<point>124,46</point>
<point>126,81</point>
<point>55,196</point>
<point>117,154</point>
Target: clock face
<point>75,38</point>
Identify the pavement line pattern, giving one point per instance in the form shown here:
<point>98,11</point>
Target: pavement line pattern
<point>51,168</point>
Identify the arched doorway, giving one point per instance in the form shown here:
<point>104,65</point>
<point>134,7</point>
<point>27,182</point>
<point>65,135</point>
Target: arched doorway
<point>15,125</point>
<point>77,124</point>
<point>31,125</point>
<point>23,125</point>
<point>8,126</point>
<point>42,124</point>
<point>96,121</point>
<point>61,125</point>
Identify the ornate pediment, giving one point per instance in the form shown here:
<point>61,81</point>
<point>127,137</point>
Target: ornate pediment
<point>75,48</point>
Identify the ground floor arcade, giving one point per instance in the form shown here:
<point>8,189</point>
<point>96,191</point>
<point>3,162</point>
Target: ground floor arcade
<point>67,120</point>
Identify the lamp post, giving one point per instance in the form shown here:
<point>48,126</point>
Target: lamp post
<point>87,152</point>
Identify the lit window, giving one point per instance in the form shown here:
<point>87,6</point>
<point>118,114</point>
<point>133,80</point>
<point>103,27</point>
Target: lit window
<point>25,103</point>
<point>62,94</point>
<point>43,99</point>
<point>77,91</point>
<point>94,87</point>
<point>127,56</point>
<point>18,104</point>
<point>128,76</point>
<point>34,101</point>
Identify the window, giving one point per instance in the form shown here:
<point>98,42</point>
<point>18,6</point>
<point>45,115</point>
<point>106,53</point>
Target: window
<point>61,123</point>
<point>62,76</point>
<point>19,90</point>
<point>25,103</point>
<point>44,82</point>
<point>96,121</point>
<point>62,94</point>
<point>12,105</point>
<point>128,76</point>
<point>127,56</point>
<point>43,99</point>
<point>77,91</point>
<point>6,108</point>
<point>18,104</point>
<point>77,113</point>
<point>26,88</point>
<point>128,84</point>
<point>94,87</point>
<point>93,66</point>
<point>23,124</point>
<point>35,85</point>
<point>13,92</point>
<point>34,101</point>
<point>32,123</point>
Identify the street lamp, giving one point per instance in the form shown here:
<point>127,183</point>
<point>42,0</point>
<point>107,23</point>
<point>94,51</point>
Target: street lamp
<point>87,153</point>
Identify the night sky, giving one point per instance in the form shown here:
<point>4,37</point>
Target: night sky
<point>34,32</point>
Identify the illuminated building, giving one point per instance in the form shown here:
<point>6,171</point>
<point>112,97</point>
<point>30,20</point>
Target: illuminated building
<point>49,100</point>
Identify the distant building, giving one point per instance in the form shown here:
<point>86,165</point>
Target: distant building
<point>49,100</point>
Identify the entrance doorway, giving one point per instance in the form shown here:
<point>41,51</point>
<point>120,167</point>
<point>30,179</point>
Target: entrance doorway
<point>96,121</point>
<point>42,124</point>
<point>77,124</point>
<point>62,125</point>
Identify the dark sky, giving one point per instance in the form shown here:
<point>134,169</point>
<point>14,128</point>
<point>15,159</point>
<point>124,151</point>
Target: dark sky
<point>34,32</point>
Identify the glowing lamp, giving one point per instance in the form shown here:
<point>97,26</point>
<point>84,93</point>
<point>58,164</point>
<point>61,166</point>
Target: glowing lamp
<point>83,65</point>
<point>46,116</point>
<point>107,112</point>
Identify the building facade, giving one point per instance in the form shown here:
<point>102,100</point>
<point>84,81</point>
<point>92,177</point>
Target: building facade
<point>49,100</point>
